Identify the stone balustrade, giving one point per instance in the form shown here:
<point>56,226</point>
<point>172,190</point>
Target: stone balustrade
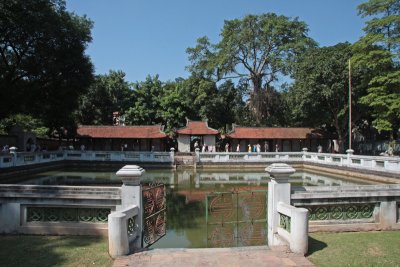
<point>350,208</point>
<point>36,209</point>
<point>30,158</point>
<point>293,227</point>
<point>361,162</point>
<point>286,224</point>
<point>123,230</point>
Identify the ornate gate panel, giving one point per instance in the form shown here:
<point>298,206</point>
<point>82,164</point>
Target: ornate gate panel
<point>236,218</point>
<point>154,213</point>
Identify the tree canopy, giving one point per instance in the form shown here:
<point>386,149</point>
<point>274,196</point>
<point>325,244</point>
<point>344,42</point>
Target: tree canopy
<point>43,66</point>
<point>378,52</point>
<point>258,49</point>
<point>320,91</point>
<point>108,93</point>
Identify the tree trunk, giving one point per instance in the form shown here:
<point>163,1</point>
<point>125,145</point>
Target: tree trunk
<point>340,135</point>
<point>257,98</point>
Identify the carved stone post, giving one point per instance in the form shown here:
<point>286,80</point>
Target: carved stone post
<point>13,152</point>
<point>350,153</point>
<point>172,155</point>
<point>131,194</point>
<point>278,191</point>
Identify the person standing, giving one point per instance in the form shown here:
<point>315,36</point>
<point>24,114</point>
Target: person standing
<point>266,147</point>
<point>227,147</point>
<point>249,148</point>
<point>276,148</point>
<point>238,148</point>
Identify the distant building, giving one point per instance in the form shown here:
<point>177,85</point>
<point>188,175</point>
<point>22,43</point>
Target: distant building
<point>270,138</point>
<point>196,131</point>
<point>127,138</point>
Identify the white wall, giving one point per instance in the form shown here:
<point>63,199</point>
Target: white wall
<point>184,143</point>
<point>209,140</point>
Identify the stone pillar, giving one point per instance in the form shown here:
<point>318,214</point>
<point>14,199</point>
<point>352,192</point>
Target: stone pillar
<point>197,151</point>
<point>13,152</point>
<point>299,231</point>
<point>278,191</point>
<point>118,243</point>
<point>131,193</point>
<point>349,152</point>
<point>305,150</point>
<point>172,155</point>
<point>387,214</point>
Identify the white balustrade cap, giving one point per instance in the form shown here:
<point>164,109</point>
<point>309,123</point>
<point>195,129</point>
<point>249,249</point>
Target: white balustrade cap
<point>130,171</point>
<point>280,169</point>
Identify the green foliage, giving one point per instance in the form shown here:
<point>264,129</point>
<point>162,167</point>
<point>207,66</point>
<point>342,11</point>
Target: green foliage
<point>108,93</point>
<point>320,93</point>
<point>257,48</point>
<point>26,122</point>
<point>379,53</point>
<point>196,98</point>
<point>146,109</point>
<point>43,67</point>
<point>173,111</point>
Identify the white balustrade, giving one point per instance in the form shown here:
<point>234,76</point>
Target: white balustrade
<point>377,163</point>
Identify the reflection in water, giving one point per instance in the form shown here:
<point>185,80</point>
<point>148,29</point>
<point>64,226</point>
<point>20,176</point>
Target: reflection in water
<point>186,198</point>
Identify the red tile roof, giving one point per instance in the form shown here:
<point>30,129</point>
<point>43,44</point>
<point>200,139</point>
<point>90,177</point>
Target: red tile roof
<point>274,133</point>
<point>197,128</point>
<point>135,132</point>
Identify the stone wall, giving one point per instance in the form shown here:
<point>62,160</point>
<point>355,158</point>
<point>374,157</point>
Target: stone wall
<point>350,208</point>
<point>60,210</point>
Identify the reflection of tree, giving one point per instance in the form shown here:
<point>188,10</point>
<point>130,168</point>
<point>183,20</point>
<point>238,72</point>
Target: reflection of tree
<point>182,215</point>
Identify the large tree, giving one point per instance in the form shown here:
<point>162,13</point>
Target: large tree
<point>257,48</point>
<point>146,108</point>
<point>108,93</point>
<point>378,53</point>
<point>43,66</point>
<point>319,95</point>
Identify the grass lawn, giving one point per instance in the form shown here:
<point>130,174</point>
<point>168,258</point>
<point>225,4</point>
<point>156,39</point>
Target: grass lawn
<point>355,249</point>
<point>43,251</point>
<point>325,249</point>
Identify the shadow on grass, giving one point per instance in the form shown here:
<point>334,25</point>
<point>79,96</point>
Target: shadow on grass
<point>23,250</point>
<point>315,245</point>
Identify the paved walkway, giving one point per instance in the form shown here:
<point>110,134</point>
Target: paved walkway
<point>232,257</point>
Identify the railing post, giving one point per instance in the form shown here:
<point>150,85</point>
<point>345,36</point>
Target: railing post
<point>172,154</point>
<point>278,191</point>
<point>131,193</point>
<point>197,151</point>
<point>349,152</point>
<point>13,152</point>
<point>118,244</point>
<point>305,150</point>
<point>299,231</point>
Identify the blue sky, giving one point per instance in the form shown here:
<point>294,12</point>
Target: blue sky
<point>149,37</point>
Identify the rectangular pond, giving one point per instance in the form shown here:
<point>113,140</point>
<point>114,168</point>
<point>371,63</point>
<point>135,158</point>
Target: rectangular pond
<point>204,208</point>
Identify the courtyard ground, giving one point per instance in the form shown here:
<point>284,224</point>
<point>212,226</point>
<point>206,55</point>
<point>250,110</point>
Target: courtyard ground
<point>325,249</point>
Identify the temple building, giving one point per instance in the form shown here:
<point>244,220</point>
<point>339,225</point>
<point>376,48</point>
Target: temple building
<point>196,132</point>
<point>271,139</point>
<point>125,138</point>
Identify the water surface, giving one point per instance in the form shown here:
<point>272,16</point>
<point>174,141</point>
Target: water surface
<point>189,194</point>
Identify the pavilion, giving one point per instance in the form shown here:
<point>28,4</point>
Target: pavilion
<point>196,131</point>
<point>270,138</point>
<point>126,138</point>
